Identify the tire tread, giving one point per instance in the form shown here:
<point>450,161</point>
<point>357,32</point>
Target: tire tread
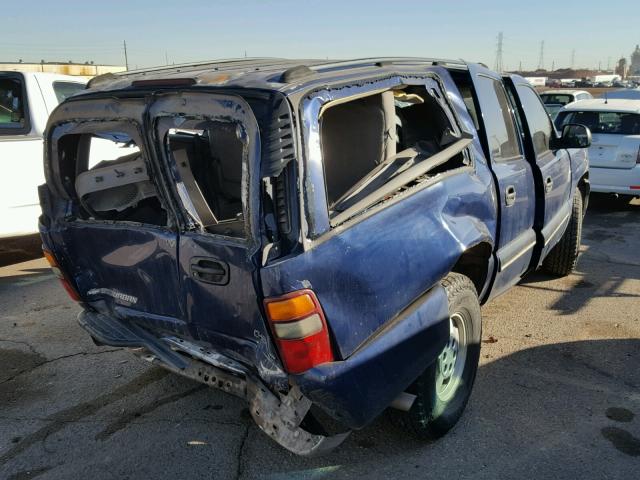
<point>562,260</point>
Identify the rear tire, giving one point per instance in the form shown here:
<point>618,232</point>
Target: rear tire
<point>443,389</point>
<point>562,260</point>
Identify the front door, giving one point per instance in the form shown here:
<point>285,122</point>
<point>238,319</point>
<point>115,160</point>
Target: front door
<point>554,166</point>
<point>513,175</point>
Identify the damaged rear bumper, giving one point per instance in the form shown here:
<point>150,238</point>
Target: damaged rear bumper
<point>279,416</point>
<point>353,391</point>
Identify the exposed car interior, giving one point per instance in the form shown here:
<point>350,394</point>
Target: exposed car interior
<point>111,178</point>
<point>113,182</point>
<point>368,141</point>
<point>207,164</point>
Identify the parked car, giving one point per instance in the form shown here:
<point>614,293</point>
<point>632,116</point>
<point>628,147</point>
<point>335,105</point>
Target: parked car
<point>626,93</point>
<point>26,100</point>
<point>314,237</point>
<point>555,99</point>
<point>614,156</point>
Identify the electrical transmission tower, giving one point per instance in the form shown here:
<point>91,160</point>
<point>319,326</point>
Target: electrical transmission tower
<point>573,59</point>
<point>498,66</point>
<point>541,57</point>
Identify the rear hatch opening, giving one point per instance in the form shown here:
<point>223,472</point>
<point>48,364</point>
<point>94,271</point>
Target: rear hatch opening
<point>158,216</point>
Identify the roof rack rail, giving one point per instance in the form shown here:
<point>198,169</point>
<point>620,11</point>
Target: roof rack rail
<point>385,62</point>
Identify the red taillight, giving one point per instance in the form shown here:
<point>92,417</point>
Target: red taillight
<point>300,330</point>
<point>61,276</point>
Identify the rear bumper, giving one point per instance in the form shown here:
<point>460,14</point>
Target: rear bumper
<point>615,180</point>
<point>353,391</point>
<point>279,416</point>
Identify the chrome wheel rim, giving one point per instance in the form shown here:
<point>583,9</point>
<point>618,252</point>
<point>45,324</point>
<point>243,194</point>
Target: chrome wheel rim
<point>451,361</point>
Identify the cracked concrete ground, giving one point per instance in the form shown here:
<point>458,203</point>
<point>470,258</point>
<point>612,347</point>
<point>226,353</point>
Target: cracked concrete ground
<point>557,394</point>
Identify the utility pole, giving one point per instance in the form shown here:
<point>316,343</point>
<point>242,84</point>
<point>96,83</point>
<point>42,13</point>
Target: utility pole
<point>498,66</point>
<point>553,65</point>
<point>126,58</point>
<point>166,58</point>
<point>520,66</point>
<point>541,57</point>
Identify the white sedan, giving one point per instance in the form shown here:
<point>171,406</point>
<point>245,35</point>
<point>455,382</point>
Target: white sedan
<point>614,155</point>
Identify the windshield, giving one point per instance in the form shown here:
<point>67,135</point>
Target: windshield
<point>603,122</point>
<point>561,99</point>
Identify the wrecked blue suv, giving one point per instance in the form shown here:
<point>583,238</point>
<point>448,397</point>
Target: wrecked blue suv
<point>315,237</point>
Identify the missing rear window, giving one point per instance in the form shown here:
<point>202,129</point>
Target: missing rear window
<point>206,161</point>
<point>108,173</point>
<point>369,142</point>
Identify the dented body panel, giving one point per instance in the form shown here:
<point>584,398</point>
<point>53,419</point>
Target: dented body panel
<point>190,295</point>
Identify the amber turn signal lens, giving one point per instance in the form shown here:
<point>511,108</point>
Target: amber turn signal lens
<point>290,308</point>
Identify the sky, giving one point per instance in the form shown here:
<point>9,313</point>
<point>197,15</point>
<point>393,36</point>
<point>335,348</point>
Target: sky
<point>161,31</point>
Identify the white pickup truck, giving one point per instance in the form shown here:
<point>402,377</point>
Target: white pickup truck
<point>26,100</point>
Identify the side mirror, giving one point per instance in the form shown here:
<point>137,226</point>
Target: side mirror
<point>574,135</point>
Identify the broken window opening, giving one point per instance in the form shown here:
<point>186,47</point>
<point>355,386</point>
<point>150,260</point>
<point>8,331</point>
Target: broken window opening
<point>395,139</point>
<point>111,180</point>
<point>207,159</point>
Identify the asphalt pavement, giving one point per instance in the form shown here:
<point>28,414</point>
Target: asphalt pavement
<point>557,394</point>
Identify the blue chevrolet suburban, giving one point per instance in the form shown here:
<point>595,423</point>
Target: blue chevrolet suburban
<point>315,237</point>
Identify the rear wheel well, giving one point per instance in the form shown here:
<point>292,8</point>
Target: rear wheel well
<point>474,263</point>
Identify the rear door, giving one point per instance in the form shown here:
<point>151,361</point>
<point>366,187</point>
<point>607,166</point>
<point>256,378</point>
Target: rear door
<point>212,151</point>
<point>109,221</point>
<point>552,167</point>
<point>513,175</point>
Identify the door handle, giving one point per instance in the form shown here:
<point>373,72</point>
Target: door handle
<point>208,270</point>
<point>548,184</point>
<point>510,195</point>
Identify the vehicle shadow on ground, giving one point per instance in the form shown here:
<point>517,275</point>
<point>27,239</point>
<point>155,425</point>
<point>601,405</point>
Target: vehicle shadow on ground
<point>546,408</point>
<point>608,258</point>
<point>20,249</point>
<point>25,277</point>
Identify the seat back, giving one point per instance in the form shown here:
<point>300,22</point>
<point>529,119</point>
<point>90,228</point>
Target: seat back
<point>355,138</point>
